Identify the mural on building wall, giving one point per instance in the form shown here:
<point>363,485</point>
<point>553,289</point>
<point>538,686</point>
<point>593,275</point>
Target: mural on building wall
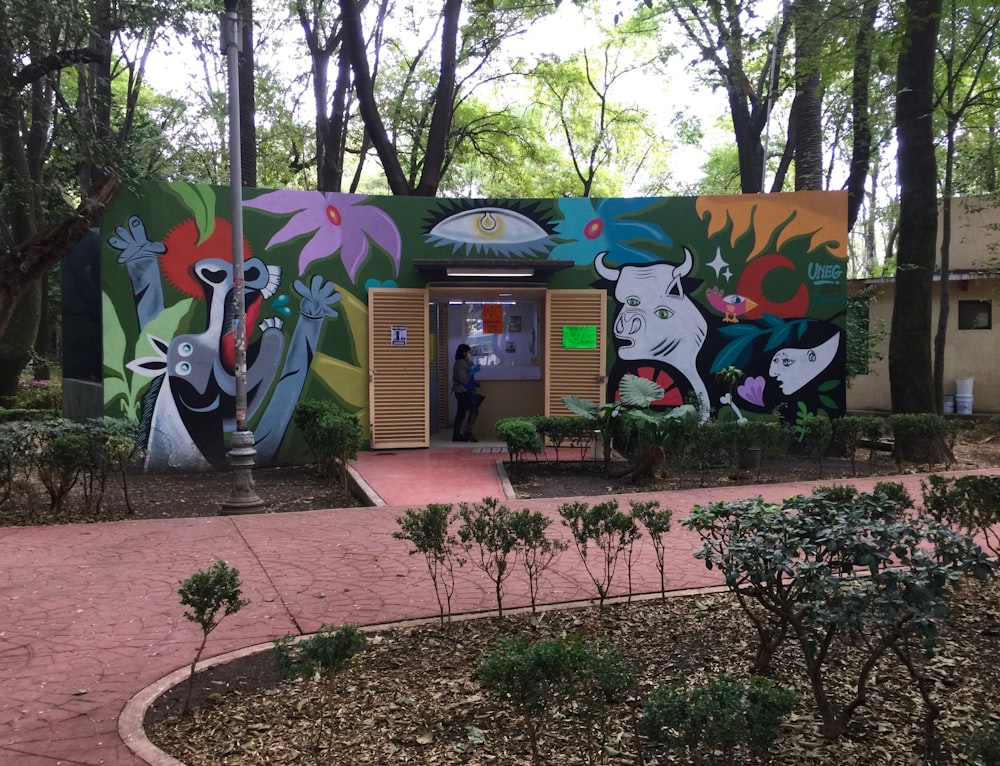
<point>698,285</point>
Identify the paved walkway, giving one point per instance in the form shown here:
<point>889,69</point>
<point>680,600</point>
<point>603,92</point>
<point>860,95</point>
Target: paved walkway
<point>90,614</point>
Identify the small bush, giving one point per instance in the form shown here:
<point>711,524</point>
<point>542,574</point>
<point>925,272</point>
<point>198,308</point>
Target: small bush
<point>332,435</point>
<point>538,678</point>
<point>920,436</point>
<point>969,503</point>
<point>521,437</point>
<point>207,593</point>
<point>719,715</point>
<point>43,395</point>
<point>537,551</point>
<point>983,745</point>
<point>849,433</point>
<point>608,530</point>
<point>427,530</point>
<point>324,653</point>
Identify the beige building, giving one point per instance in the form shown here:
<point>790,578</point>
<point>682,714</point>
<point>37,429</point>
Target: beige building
<point>972,362</point>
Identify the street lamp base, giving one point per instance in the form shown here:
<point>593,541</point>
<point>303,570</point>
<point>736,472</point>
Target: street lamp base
<point>242,494</point>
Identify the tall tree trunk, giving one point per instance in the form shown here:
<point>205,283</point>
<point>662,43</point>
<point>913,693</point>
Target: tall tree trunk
<point>808,102</point>
<point>364,86</point>
<point>910,369</point>
<point>944,306</point>
<point>861,151</point>
<point>444,104</point>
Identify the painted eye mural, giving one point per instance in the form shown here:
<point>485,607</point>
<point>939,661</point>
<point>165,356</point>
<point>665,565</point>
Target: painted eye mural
<point>490,229</point>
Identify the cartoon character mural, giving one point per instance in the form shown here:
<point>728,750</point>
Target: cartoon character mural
<point>190,404</point>
<point>699,284</point>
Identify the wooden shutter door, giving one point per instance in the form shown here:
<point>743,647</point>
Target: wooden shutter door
<point>398,368</point>
<point>574,371</point>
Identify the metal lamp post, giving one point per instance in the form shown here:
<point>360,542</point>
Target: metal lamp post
<point>242,494</point>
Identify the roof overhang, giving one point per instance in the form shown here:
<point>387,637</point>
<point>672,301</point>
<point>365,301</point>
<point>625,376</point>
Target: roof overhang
<point>475,269</point>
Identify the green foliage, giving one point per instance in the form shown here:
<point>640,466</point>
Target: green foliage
<point>894,491</point>
<point>537,551</point>
<point>558,430</point>
<point>849,433</point>
<point>971,504</point>
<point>324,653</point>
<point>917,434</point>
<point>332,434</point>
<point>63,453</point>
<point>983,744</point>
<point>18,414</point>
<point>45,395</point>
<point>521,436</point>
<point>552,674</point>
<point>488,535</point>
<point>605,528</point>
<point>863,337</point>
<point>873,428</point>
<point>718,715</point>
<point>656,520</point>
<point>206,593</point>
<point>706,446</point>
<point>427,530</point>
<point>60,453</point>
<point>113,444</point>
<point>815,433</point>
<point>796,569</point>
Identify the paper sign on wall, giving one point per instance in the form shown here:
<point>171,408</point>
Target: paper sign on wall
<point>398,335</point>
<point>492,319</point>
<point>579,336</point>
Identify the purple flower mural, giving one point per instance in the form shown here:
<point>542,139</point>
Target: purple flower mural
<point>336,221</point>
<point>752,390</point>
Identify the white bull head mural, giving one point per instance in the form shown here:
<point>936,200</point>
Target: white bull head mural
<point>656,320</point>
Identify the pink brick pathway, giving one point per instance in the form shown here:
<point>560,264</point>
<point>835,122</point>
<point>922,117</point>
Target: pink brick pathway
<point>90,614</point>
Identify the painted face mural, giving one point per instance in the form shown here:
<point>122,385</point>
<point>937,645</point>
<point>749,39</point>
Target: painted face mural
<point>656,320</point>
<point>793,368</point>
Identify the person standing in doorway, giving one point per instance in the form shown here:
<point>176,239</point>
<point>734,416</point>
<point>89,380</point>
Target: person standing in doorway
<point>464,385</point>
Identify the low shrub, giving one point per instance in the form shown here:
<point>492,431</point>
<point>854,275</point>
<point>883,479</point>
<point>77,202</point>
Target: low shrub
<point>324,653</point>
<point>971,504</point>
<point>553,677</point>
<point>332,435</point>
<point>39,395</point>
<point>921,437</point>
<point>611,532</point>
<point>521,436</point>
<point>719,715</point>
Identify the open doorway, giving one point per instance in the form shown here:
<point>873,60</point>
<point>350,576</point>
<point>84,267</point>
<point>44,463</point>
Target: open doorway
<point>504,327</point>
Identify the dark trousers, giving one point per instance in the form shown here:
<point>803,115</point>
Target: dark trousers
<point>465,408</point>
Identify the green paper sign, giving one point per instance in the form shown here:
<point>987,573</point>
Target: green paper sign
<point>579,336</point>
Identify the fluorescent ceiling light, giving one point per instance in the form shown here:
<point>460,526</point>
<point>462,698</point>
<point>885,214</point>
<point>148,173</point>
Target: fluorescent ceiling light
<point>473,272</point>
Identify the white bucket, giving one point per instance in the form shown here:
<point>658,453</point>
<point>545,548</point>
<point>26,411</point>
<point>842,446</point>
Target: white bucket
<point>963,405</point>
<point>948,404</point>
<point>963,386</point>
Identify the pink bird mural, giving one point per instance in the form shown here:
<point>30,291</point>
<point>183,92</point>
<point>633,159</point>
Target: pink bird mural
<point>730,306</point>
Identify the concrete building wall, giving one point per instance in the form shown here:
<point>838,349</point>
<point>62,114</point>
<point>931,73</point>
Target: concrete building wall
<point>970,353</point>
